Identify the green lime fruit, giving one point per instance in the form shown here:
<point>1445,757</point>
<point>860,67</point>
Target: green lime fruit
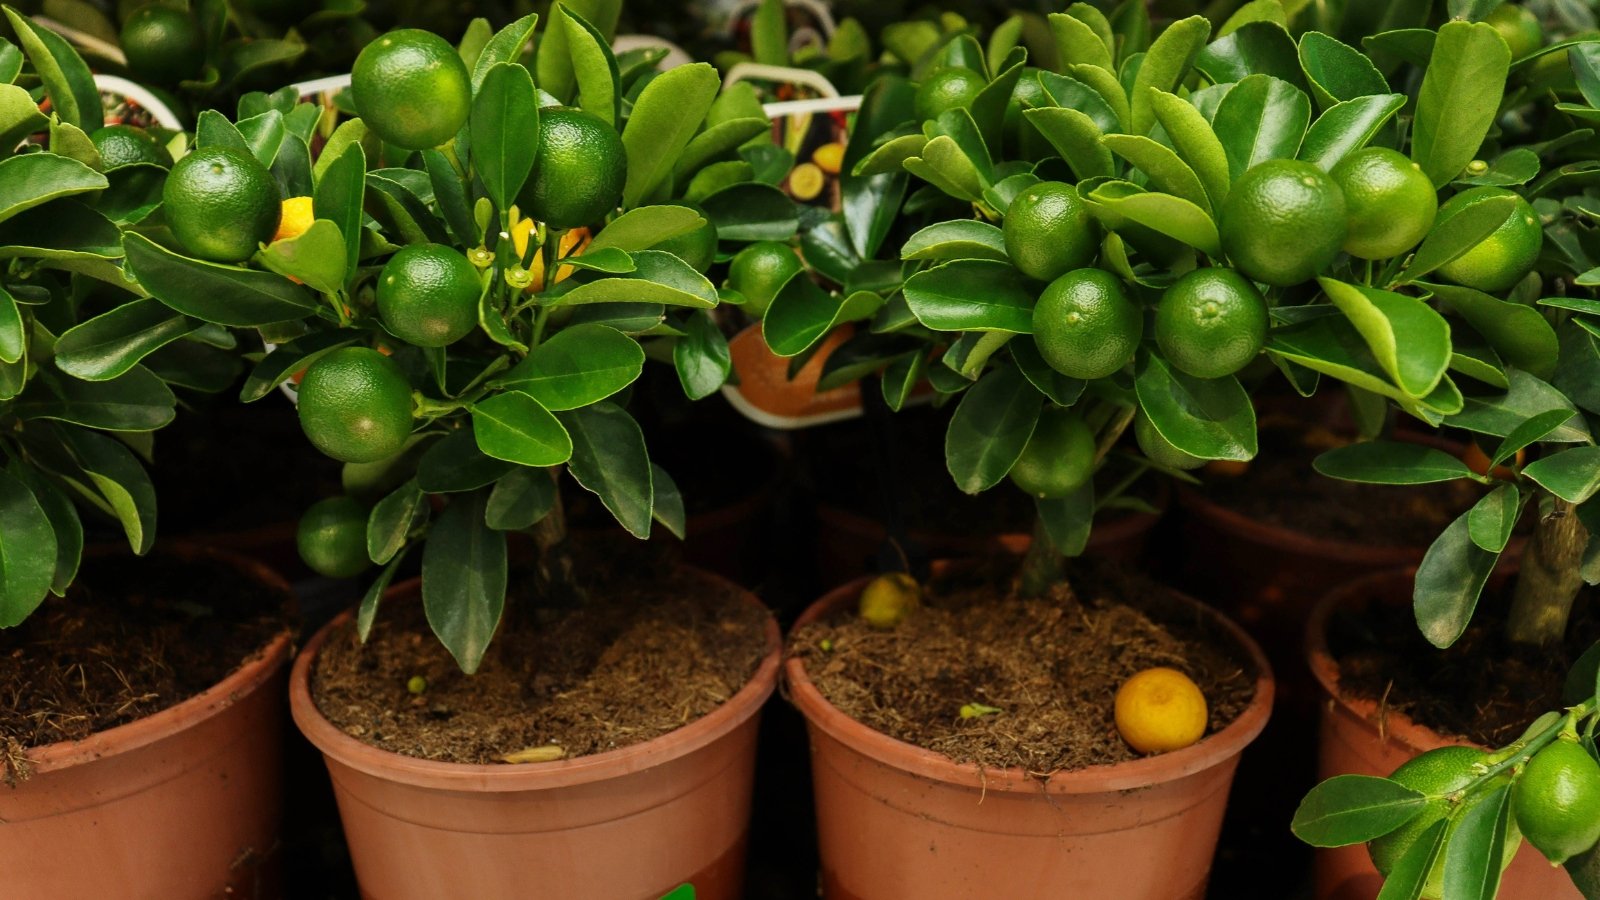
<point>1520,28</point>
<point>412,89</point>
<point>332,537</point>
<point>1556,801</point>
<point>579,172</point>
<point>1212,322</point>
<point>952,87</point>
<point>355,405</point>
<point>1436,773</point>
<point>124,145</point>
<point>1283,222</point>
<point>221,204</point>
<point>760,271</point>
<point>1048,231</point>
<point>1156,448</point>
<point>163,45</point>
<point>428,295</point>
<point>1058,458</point>
<point>1389,204</point>
<point>1503,258</point>
<point>1085,326</point>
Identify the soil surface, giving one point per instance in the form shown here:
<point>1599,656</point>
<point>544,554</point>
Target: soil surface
<point>1052,664</point>
<point>652,649</point>
<point>1482,688</point>
<point>1280,487</point>
<point>131,638</point>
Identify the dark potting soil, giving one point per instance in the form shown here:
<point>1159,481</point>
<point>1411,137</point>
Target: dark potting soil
<point>1280,487</point>
<point>1051,664</point>
<point>1483,688</point>
<point>651,649</point>
<point>131,638</point>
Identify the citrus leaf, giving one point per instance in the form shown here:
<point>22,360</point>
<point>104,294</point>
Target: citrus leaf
<point>1075,136</point>
<point>645,227</point>
<point>1457,233</point>
<point>454,464</point>
<point>972,295</point>
<point>117,476</point>
<point>1492,518</point>
<point>27,551</point>
<point>1261,118</point>
<point>1500,415</point>
<point>1448,582</point>
<point>1354,809</point>
<point>609,459</point>
<point>1337,71</point>
<point>1077,42</point>
<point>1534,429</point>
<point>278,366</point>
<point>665,118</point>
<point>668,508</point>
<point>464,579</point>
<point>1165,171</point>
<point>224,295</point>
<point>316,256</point>
<point>657,277</point>
<point>520,499</point>
<point>1210,418</point>
<point>113,342</point>
<point>593,67</point>
<point>505,131</point>
<point>1391,462</point>
<point>1518,333</point>
<point>1164,67</point>
<point>1477,843</point>
<point>338,196</point>
<point>1347,127</point>
<point>391,520</point>
<point>1068,520</point>
<point>990,428</point>
<point>1460,96</point>
<point>513,426</point>
<point>1195,142</point>
<point>1572,474</point>
<point>67,79</point>
<point>1174,217</point>
<point>957,239</point>
<point>32,179</point>
<point>701,357</point>
<point>63,520</point>
<point>1387,322</point>
<point>1257,48</point>
<point>1409,876</point>
<point>577,366</point>
<point>136,400</point>
<point>506,46</point>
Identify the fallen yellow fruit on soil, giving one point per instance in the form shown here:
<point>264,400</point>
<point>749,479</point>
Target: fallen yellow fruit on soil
<point>888,599</point>
<point>548,753</point>
<point>1160,710</point>
<point>297,218</point>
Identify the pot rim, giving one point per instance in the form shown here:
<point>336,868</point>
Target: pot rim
<point>502,777</point>
<point>1391,725</point>
<point>255,670</point>
<point>1130,775</point>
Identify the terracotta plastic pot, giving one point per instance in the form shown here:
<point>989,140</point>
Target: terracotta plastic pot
<point>897,821</point>
<point>181,805</point>
<point>1359,738</point>
<point>847,541</point>
<point>630,824</point>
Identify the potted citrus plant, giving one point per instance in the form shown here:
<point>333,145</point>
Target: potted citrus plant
<point>1450,797</point>
<point>160,676</point>
<point>469,278</point>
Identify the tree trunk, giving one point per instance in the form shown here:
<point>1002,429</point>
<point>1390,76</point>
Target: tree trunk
<point>1043,565</point>
<point>555,566</point>
<point>1550,578</point>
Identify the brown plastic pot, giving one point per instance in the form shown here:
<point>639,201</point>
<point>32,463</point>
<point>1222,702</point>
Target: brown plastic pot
<point>1358,737</point>
<point>847,541</point>
<point>184,804</point>
<point>630,824</point>
<point>896,821</point>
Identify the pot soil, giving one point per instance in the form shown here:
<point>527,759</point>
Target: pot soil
<point>1042,800</point>
<point>142,752</point>
<point>652,693</point>
<point>1389,696</point>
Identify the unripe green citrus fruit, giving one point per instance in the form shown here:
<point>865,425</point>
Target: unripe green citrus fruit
<point>579,172</point>
<point>1503,258</point>
<point>1155,446</point>
<point>1085,325</point>
<point>953,87</point>
<point>124,145</point>
<point>332,537</point>
<point>355,405</point>
<point>1059,457</point>
<point>1283,222</point>
<point>1556,801</point>
<point>1389,203</point>
<point>1437,773</point>
<point>412,89</point>
<point>1048,231</point>
<point>1212,322</point>
<point>221,204</point>
<point>428,295</point>
<point>163,45</point>
<point>759,271</point>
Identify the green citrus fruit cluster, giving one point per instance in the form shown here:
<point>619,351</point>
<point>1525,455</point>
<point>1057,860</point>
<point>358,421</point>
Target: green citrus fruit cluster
<point>1438,774</point>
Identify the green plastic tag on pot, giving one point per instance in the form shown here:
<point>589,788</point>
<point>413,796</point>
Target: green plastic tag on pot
<point>681,892</point>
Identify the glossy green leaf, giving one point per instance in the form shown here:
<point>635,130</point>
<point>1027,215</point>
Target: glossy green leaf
<point>1165,171</point>
<point>645,227</point>
<point>1075,136</point>
<point>1164,67</point>
<point>1346,127</point>
<point>1391,462</point>
<point>1354,809</point>
<point>1078,42</point>
<point>956,239</point>
<point>514,427</point>
<point>1172,216</point>
<point>1208,418</point>
<point>13,330</point>
<point>668,507</point>
<point>1519,334</point>
<point>972,295</point>
<point>1459,98</point>
<point>1261,118</point>
<point>27,551</point>
<point>67,79</point>
<point>1457,233</point>
<point>1536,428</point>
<point>1408,338</point>
<point>391,520</point>
<point>464,579</point>
<point>281,364</point>
<point>610,460</point>
<point>593,66</point>
<point>454,463</point>
<point>1491,519</point>
<point>19,115</point>
<point>263,134</point>
<point>32,179</point>
<point>658,277</point>
<point>1572,474</point>
<point>990,428</point>
<point>947,167</point>
<point>1070,93</point>
<point>1477,844</point>
<point>1337,71</point>
<point>1196,143</point>
<point>506,46</point>
<point>1057,388</point>
<point>716,141</point>
<point>1528,396</point>
<point>505,128</point>
<point>117,476</point>
<point>665,118</point>
<point>318,257</point>
<point>521,498</point>
<point>1448,582</point>
<point>890,156</point>
<point>367,610</point>
<point>225,295</point>
<point>1409,876</point>
<point>64,522</point>
<point>802,314</point>
<point>136,400</point>
<point>338,197</point>
<point>1108,87</point>
<point>752,212</point>
<point>113,342</point>
<point>701,357</point>
<point>1259,48</point>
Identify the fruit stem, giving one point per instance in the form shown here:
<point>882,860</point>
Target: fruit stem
<point>1526,748</point>
<point>1550,578</point>
<point>1121,487</point>
<point>1113,432</point>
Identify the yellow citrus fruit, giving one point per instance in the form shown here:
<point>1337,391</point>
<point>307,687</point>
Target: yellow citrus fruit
<point>1155,446</point>
<point>332,537</point>
<point>1436,773</point>
<point>806,181</point>
<point>412,89</point>
<point>1085,326</point>
<point>296,219</point>
<point>1283,222</point>
<point>1059,457</point>
<point>1503,258</point>
<point>1160,710</point>
<point>1048,231</point>
<point>163,45</point>
<point>428,295</point>
<point>888,599</point>
<point>1556,801</point>
<point>1389,204</point>
<point>579,172</point>
<point>1212,322</point>
<point>355,405</point>
<point>759,271</point>
<point>953,87</point>
<point>829,157</point>
<point>221,204</point>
